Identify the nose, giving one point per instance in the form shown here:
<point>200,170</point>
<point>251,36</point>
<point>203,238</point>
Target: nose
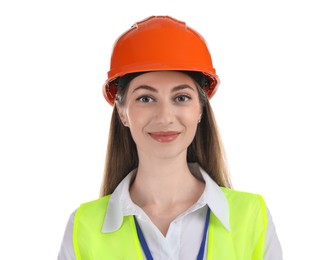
<point>165,114</point>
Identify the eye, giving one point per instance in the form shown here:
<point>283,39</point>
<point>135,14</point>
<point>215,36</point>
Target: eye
<point>145,99</point>
<point>182,98</point>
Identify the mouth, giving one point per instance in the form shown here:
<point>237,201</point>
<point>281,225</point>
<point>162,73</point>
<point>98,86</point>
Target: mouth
<point>164,137</point>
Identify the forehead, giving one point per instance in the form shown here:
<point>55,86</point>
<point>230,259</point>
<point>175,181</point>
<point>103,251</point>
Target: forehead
<point>162,79</point>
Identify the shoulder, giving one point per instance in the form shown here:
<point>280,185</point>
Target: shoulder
<point>101,200</point>
<point>244,202</point>
<point>242,195</point>
<point>94,205</point>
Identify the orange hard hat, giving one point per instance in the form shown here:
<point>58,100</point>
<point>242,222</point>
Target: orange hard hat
<point>159,43</point>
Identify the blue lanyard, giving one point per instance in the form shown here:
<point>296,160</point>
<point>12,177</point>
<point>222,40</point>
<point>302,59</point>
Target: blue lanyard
<point>146,249</point>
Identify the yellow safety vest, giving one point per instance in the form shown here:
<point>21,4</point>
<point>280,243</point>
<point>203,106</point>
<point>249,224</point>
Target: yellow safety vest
<point>244,241</point>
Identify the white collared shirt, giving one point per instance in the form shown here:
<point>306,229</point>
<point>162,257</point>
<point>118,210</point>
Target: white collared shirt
<point>185,233</point>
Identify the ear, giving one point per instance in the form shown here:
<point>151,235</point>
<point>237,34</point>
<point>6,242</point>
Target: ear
<point>122,115</point>
<point>200,117</point>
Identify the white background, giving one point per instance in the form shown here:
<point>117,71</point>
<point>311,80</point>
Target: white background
<point>272,108</point>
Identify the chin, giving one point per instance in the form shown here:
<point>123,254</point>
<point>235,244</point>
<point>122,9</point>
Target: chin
<point>166,151</point>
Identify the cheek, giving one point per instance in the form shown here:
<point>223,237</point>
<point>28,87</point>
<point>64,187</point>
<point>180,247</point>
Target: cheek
<point>191,115</point>
<point>190,123</point>
<point>136,117</point>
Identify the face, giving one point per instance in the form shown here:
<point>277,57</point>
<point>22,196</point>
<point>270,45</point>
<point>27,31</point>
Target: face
<point>162,110</point>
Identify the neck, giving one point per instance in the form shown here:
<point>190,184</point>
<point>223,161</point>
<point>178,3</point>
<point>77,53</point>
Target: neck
<point>164,182</point>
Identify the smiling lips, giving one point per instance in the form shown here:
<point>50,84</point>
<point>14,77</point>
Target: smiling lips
<point>164,137</point>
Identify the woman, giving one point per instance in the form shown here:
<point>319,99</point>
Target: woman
<point>166,193</point>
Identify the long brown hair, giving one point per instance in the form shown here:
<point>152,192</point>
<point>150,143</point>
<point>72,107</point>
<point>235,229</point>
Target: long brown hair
<point>206,149</point>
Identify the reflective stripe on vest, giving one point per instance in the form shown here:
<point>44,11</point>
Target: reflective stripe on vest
<point>244,241</point>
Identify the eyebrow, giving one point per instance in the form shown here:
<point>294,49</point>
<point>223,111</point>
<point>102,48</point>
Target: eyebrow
<point>175,89</point>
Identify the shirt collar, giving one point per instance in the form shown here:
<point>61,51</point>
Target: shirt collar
<point>215,198</point>
<point>120,203</point>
